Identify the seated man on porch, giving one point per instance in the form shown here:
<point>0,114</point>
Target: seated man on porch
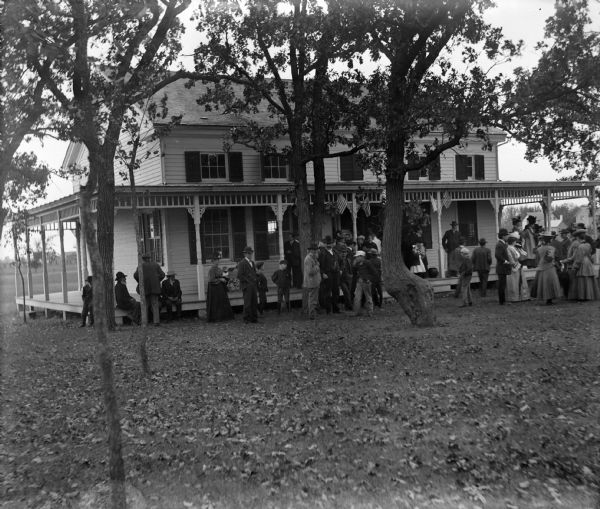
<point>125,301</point>
<point>171,295</point>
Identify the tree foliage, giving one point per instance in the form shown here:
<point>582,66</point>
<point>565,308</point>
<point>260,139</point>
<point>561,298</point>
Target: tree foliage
<point>555,107</point>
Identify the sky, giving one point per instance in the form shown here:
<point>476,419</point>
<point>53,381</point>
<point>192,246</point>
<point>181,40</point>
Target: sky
<point>519,19</point>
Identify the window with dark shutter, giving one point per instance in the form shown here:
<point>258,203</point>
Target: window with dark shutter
<point>350,168</point>
<point>238,228</point>
<point>479,168</point>
<point>236,167</point>
<point>463,167</point>
<point>192,167</point>
<point>434,169</point>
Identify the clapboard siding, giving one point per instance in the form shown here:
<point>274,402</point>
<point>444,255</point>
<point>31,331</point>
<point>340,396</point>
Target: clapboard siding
<point>149,173</point>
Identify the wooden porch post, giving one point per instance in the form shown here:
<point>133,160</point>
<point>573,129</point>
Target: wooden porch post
<point>279,211</point>
<point>441,251</point>
<point>354,214</point>
<point>45,267</point>
<point>63,265</point>
<point>28,247</point>
<point>548,210</point>
<point>497,209</point>
<point>197,214</point>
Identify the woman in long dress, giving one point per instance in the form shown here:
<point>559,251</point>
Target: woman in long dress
<point>218,307</point>
<point>585,286</point>
<point>516,285</point>
<point>548,286</point>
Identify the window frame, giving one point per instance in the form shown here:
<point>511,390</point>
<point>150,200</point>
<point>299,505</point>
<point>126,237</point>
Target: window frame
<point>153,244</point>
<point>267,167</point>
<point>217,155</point>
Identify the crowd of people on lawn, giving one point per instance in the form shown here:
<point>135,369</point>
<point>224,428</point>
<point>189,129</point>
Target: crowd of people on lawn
<point>341,265</point>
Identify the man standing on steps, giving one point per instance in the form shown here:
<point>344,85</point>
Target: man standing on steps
<point>153,275</point>
<point>450,241</point>
<point>246,270</point>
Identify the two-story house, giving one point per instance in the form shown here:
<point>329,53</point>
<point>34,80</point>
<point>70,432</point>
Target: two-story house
<point>197,194</point>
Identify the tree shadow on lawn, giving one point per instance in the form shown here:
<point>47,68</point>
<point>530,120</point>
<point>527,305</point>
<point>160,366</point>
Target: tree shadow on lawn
<point>494,406</point>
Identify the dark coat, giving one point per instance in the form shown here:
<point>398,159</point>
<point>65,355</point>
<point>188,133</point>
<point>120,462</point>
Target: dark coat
<point>246,273</point>
<point>172,290</point>
<point>292,255</point>
<point>122,298</point>
<point>450,240</point>
<point>153,275</point>
<point>503,265</point>
<point>328,262</point>
<point>282,278</point>
<point>87,294</point>
<point>482,259</point>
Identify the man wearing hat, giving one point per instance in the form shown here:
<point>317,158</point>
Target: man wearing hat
<point>312,279</point>
<point>153,275</point>
<point>171,295</point>
<point>330,276</point>
<point>482,261</point>
<point>450,241</point>
<point>246,269</point>
<point>503,266</point>
<point>125,301</point>
<point>293,257</point>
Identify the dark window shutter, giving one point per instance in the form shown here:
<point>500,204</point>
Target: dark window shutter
<point>479,168</point>
<point>238,227</point>
<point>358,169</point>
<point>192,241</point>
<point>461,167</point>
<point>434,169</point>
<point>347,168</point>
<point>192,167</point>
<point>414,174</point>
<point>236,167</point>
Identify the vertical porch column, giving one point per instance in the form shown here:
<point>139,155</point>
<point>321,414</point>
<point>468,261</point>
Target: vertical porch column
<point>197,215</point>
<point>84,255</point>
<point>548,217</point>
<point>16,255</point>
<point>279,211</point>
<point>45,267</point>
<point>28,247</point>
<point>80,279</point>
<point>63,265</point>
<point>441,252</point>
<point>354,215</point>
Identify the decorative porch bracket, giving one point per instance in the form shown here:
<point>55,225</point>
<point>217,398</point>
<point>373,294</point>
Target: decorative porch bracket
<point>279,210</point>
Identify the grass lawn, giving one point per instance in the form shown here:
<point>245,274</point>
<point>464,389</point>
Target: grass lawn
<point>495,407</point>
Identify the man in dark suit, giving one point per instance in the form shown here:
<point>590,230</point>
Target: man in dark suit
<point>153,275</point>
<point>246,270</point>
<point>450,241</point>
<point>482,260</point>
<point>330,277</point>
<point>171,295</point>
<point>503,265</point>
<point>292,255</point>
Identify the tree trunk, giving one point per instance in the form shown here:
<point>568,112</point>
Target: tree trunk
<point>318,208</point>
<point>111,405</point>
<point>105,217</point>
<point>413,293</point>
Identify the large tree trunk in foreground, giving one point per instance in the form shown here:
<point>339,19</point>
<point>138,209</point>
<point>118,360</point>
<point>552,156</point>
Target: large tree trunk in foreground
<point>111,405</point>
<point>413,293</point>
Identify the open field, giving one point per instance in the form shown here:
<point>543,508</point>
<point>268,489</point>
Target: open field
<point>495,407</point>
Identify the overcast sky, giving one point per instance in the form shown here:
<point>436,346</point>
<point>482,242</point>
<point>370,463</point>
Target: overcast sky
<point>520,19</point>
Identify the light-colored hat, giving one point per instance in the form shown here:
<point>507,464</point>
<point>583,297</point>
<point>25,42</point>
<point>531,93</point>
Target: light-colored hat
<point>514,235</point>
<point>464,250</point>
<point>171,273</point>
<point>359,253</point>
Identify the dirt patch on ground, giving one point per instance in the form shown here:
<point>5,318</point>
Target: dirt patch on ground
<point>494,407</point>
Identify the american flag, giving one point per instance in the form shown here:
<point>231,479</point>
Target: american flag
<point>366,206</point>
<point>341,204</point>
<point>433,202</point>
<point>446,200</point>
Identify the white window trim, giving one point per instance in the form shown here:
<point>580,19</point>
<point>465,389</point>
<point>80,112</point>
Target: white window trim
<point>218,179</point>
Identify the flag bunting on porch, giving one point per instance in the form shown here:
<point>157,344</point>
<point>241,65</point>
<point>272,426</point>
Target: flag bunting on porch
<point>342,204</point>
<point>446,200</point>
<point>366,206</point>
<point>433,201</point>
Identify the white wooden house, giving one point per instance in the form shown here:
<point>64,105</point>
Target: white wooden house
<point>198,194</point>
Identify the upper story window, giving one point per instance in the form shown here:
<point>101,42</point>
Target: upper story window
<point>431,170</point>
<point>201,166</point>
<point>469,167</point>
<point>274,166</point>
<point>350,168</point>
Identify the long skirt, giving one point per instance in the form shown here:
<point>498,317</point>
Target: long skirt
<point>586,288</point>
<point>548,286</point>
<point>516,287</point>
<point>218,307</point>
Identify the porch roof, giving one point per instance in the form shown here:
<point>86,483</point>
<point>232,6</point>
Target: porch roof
<point>239,194</point>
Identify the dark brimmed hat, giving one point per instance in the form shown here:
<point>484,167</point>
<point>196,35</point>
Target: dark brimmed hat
<point>482,241</point>
<point>328,240</point>
<point>502,232</point>
<point>119,275</point>
<point>248,249</point>
<point>146,256</point>
<point>547,236</point>
<point>531,219</point>
<point>453,223</point>
<point>89,279</point>
<point>580,231</point>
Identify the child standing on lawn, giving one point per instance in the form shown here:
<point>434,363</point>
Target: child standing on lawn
<point>261,286</point>
<point>465,271</point>
<point>281,278</point>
